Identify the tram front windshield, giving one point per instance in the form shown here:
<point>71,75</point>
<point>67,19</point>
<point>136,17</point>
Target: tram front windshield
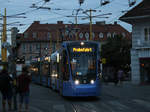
<point>83,61</point>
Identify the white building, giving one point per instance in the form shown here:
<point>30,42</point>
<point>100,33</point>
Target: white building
<point>139,17</point>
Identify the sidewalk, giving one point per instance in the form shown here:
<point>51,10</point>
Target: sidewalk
<point>39,97</point>
<point>126,90</point>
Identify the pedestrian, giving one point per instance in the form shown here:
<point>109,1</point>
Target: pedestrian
<point>120,75</point>
<point>23,83</point>
<point>6,90</point>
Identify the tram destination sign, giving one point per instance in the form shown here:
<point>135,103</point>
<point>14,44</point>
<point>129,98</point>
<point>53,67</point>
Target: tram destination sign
<point>82,49</point>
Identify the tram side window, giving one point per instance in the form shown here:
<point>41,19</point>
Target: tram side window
<point>66,67</point>
<point>57,71</point>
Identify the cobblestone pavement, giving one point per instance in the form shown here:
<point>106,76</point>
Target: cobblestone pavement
<point>121,98</point>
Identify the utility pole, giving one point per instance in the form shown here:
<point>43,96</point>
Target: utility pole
<point>4,39</point>
<point>40,64</point>
<point>90,16</point>
<point>57,45</point>
<point>76,22</point>
<point>51,50</point>
<point>49,61</point>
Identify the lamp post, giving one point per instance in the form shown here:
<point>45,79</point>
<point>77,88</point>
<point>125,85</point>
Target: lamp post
<point>46,60</point>
<point>49,68</point>
<point>39,60</point>
<point>39,67</point>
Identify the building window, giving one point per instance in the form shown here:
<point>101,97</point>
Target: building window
<point>87,36</point>
<point>81,35</point>
<point>147,34</point>
<point>30,48</point>
<point>93,35</point>
<point>37,46</point>
<point>123,35</point>
<point>34,34</point>
<point>48,35</point>
<point>30,58</point>
<point>101,35</point>
<point>25,35</point>
<point>23,47</point>
<point>53,47</point>
<point>108,35</point>
<point>114,34</point>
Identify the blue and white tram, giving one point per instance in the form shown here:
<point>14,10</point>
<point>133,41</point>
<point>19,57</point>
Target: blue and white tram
<point>76,69</point>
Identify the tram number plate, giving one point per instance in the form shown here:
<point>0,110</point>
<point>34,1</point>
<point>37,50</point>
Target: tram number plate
<point>84,81</point>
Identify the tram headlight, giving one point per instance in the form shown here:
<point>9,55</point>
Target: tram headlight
<point>92,81</point>
<point>52,75</point>
<point>56,75</point>
<point>82,43</point>
<point>76,82</point>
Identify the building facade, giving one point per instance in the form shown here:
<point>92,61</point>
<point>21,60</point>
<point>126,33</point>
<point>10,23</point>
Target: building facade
<point>140,53</point>
<point>40,40</point>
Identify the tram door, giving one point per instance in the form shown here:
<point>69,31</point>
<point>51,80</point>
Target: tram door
<point>65,66</point>
<point>63,71</point>
<point>145,69</point>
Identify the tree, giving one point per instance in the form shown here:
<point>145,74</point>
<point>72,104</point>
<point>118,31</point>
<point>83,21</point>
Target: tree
<point>116,51</point>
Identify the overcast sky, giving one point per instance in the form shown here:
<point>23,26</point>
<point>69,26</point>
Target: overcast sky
<point>67,9</point>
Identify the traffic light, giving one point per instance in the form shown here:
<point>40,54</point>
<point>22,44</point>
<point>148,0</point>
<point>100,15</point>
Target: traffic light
<point>103,60</point>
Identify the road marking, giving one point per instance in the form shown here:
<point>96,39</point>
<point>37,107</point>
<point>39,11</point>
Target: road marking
<point>31,108</point>
<point>110,109</point>
<point>118,105</point>
<point>90,107</point>
<point>143,103</point>
<point>86,107</point>
<point>59,108</point>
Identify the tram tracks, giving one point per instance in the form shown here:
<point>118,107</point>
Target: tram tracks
<point>82,108</point>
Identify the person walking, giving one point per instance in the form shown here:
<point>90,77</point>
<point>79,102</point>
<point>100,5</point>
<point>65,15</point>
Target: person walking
<point>6,89</point>
<point>23,82</point>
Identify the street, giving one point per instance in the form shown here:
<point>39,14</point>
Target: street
<point>121,98</point>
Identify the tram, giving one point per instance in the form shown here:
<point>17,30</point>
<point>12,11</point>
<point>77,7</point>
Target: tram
<point>75,69</point>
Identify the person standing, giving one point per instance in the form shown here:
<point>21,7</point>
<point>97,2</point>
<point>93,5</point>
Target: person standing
<point>120,76</point>
<point>23,82</point>
<point>6,89</point>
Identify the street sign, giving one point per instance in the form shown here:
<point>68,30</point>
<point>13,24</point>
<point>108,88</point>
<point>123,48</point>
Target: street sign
<point>103,60</point>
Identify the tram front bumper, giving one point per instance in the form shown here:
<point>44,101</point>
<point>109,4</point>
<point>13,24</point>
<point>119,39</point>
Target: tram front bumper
<point>86,90</point>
